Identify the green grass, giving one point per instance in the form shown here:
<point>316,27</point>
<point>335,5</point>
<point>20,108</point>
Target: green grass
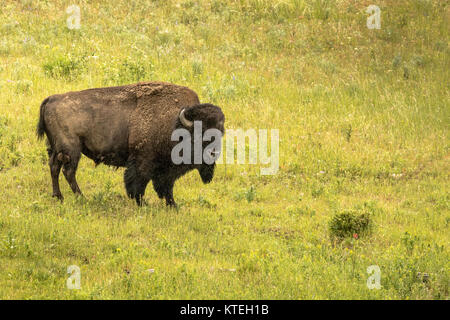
<point>363,117</point>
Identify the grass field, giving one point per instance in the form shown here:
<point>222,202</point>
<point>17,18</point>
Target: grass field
<point>363,116</point>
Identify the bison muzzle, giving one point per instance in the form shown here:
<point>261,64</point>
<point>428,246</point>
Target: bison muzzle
<point>127,126</point>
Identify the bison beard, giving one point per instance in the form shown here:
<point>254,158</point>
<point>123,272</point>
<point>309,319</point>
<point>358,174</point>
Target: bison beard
<point>128,126</point>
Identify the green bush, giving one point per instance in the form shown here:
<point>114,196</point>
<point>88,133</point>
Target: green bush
<point>67,67</point>
<point>130,71</point>
<point>349,224</point>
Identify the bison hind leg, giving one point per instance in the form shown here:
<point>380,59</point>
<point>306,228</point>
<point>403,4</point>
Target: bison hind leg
<point>55,169</point>
<point>70,168</point>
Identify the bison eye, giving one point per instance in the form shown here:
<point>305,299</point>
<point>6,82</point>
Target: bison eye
<point>213,154</point>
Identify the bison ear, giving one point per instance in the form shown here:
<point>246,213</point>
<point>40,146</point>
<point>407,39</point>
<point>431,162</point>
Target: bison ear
<point>185,122</point>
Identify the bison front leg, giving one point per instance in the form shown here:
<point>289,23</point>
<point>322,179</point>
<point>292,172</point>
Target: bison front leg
<point>164,189</point>
<point>140,185</point>
<point>135,183</point>
<point>136,189</point>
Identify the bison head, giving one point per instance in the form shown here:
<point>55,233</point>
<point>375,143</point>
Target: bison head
<point>199,120</point>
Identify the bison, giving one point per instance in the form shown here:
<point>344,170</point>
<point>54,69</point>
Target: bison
<point>125,126</point>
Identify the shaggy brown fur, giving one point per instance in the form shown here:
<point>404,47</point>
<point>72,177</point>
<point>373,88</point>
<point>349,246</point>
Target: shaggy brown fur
<point>128,126</point>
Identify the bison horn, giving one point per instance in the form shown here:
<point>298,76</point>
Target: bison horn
<point>184,121</point>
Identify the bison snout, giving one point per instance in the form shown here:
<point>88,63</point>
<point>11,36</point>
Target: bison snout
<point>206,173</point>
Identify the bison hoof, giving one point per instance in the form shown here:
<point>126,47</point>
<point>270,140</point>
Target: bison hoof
<point>141,202</point>
<point>171,203</point>
<point>59,196</point>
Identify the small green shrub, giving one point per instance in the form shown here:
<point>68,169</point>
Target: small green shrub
<point>130,71</point>
<point>24,86</point>
<point>247,194</point>
<point>205,203</point>
<point>197,68</point>
<point>321,9</point>
<point>349,224</point>
<point>67,67</point>
<point>250,194</point>
<point>301,211</point>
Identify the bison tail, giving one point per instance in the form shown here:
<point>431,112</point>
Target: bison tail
<point>41,123</point>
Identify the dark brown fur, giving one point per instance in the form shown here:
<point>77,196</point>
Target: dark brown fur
<point>128,126</point>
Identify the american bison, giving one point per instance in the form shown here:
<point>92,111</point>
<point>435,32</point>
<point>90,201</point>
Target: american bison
<point>126,126</point>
